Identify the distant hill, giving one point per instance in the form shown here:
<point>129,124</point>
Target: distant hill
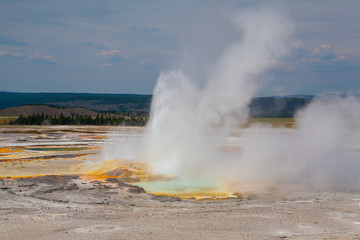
<point>276,106</point>
<point>109,103</point>
<point>301,96</point>
<point>46,110</point>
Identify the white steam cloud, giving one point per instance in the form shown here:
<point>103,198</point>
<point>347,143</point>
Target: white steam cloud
<point>192,124</point>
<point>323,150</point>
<point>189,124</point>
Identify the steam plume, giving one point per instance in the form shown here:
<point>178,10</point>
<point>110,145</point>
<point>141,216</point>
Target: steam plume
<point>322,151</point>
<point>189,124</point>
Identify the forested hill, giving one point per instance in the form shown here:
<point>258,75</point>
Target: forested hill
<point>277,107</point>
<point>119,103</point>
<point>107,103</point>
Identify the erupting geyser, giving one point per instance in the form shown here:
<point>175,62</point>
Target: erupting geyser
<point>189,123</point>
<point>192,120</point>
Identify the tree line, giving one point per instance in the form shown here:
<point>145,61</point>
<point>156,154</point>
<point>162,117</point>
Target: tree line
<point>44,119</point>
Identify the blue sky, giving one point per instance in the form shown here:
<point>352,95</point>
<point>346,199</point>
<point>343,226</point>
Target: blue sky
<point>121,46</point>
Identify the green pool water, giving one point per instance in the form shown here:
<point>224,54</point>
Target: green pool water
<point>179,186</point>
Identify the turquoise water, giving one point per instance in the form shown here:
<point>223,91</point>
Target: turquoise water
<point>179,186</point>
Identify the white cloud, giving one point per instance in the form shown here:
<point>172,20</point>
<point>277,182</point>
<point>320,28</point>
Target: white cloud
<point>34,55</point>
<point>324,49</point>
<point>8,53</point>
<point>113,55</point>
<point>296,45</point>
<point>326,46</point>
<point>47,57</point>
<point>325,54</point>
<point>41,57</point>
<point>341,58</point>
<point>110,53</point>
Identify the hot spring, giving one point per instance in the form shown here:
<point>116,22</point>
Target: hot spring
<point>194,135</point>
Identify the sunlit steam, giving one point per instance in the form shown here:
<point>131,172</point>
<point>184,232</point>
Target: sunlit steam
<point>189,124</point>
<point>322,151</point>
<point>193,122</point>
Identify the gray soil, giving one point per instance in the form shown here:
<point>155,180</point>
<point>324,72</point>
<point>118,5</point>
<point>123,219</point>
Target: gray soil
<point>67,207</point>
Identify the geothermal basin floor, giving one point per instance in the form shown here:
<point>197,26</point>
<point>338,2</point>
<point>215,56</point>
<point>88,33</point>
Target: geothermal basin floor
<point>64,204</point>
<point>81,210</point>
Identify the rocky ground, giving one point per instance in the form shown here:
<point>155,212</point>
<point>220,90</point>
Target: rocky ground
<point>69,207</point>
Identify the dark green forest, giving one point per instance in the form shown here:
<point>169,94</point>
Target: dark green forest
<point>41,119</point>
<point>276,107</point>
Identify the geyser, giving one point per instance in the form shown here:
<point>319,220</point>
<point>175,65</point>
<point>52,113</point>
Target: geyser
<point>189,122</point>
<point>192,121</point>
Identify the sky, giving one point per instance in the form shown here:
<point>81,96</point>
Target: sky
<point>121,46</point>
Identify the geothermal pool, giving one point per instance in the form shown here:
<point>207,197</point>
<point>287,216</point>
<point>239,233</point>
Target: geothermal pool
<point>88,151</point>
<point>101,153</point>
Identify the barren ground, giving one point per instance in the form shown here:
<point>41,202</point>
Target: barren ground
<point>75,209</point>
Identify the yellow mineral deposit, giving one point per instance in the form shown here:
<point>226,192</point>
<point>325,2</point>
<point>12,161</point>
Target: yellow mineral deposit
<point>6,150</point>
<point>200,195</point>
